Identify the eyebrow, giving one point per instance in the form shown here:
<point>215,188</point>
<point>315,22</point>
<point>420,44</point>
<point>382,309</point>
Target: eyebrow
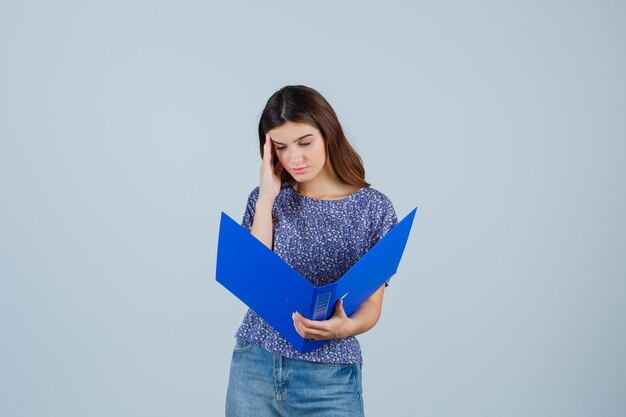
<point>295,140</point>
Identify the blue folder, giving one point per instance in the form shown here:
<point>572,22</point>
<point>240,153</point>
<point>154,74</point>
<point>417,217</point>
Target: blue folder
<point>274,290</point>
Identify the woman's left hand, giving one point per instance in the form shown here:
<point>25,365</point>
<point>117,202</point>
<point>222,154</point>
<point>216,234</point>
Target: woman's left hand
<point>337,327</point>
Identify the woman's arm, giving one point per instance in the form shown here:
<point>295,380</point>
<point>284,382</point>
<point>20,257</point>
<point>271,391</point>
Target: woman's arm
<point>269,188</point>
<point>340,326</point>
<point>262,227</point>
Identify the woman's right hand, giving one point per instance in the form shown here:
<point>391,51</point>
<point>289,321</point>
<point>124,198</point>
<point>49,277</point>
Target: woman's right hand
<point>270,180</point>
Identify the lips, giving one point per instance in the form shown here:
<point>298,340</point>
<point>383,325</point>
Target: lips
<point>299,170</point>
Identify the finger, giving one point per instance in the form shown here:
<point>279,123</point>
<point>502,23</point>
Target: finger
<point>315,334</point>
<point>311,324</point>
<point>300,328</point>
<point>267,150</point>
<point>297,326</point>
<point>305,332</point>
<point>279,169</point>
<point>308,333</point>
<point>268,139</point>
<point>339,311</point>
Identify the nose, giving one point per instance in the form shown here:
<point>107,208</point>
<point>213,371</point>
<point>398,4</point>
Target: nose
<point>295,157</point>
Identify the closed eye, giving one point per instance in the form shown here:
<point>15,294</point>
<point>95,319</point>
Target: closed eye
<point>283,147</point>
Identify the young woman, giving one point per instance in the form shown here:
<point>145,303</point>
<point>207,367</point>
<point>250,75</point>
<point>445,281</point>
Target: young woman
<point>314,209</point>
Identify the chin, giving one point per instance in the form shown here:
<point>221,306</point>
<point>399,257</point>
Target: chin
<point>301,179</point>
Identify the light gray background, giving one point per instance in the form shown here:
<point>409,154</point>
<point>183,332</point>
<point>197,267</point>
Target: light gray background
<point>126,127</point>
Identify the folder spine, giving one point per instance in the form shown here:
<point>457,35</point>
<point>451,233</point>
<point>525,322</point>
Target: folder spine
<point>321,305</point>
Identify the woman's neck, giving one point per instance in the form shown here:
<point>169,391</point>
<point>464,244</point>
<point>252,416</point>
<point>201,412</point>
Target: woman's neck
<point>325,186</point>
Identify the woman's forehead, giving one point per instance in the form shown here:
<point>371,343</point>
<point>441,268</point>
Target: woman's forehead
<point>292,131</point>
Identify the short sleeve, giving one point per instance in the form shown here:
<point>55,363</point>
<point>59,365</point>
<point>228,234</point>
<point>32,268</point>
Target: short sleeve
<point>386,219</point>
<point>248,215</point>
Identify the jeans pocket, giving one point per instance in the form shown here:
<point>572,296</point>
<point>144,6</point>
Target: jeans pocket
<point>336,365</point>
<point>242,346</point>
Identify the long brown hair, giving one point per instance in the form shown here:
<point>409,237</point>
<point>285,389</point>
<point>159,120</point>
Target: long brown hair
<point>301,104</point>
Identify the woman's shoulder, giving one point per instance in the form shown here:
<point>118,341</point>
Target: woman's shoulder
<point>375,193</point>
<point>372,195</point>
<point>378,206</point>
<point>254,193</point>
<point>252,197</point>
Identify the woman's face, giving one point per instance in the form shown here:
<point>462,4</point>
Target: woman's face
<point>300,149</point>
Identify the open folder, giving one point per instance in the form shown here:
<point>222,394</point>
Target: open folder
<point>274,290</point>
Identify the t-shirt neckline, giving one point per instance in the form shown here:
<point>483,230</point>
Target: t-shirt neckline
<point>321,200</point>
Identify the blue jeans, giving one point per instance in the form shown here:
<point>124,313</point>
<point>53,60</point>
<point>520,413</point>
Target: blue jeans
<point>263,384</point>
